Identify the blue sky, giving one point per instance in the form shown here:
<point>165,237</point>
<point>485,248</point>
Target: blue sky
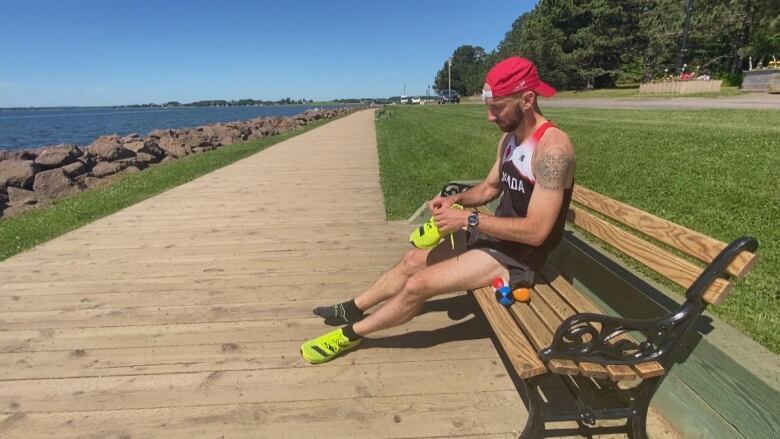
<point>112,52</point>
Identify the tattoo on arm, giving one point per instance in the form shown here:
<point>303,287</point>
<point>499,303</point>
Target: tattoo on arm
<point>551,170</point>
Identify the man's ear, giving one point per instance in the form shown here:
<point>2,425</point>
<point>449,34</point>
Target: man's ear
<point>529,98</point>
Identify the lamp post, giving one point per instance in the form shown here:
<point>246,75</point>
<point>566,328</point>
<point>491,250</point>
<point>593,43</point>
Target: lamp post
<point>449,78</point>
<point>686,30</point>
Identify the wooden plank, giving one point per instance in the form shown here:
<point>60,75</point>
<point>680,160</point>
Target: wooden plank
<point>130,316</point>
<point>340,380</point>
<point>649,370</point>
<point>682,238</point>
<point>671,266</point>
<point>563,367</point>
<point>256,355</point>
<point>483,415</point>
<point>519,350</point>
<point>573,298</point>
<point>533,327</point>
<point>166,335</point>
<point>593,370</point>
<point>620,373</point>
<point>553,300</point>
<point>546,314</point>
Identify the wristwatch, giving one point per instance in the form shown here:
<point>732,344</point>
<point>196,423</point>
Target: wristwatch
<point>473,222</point>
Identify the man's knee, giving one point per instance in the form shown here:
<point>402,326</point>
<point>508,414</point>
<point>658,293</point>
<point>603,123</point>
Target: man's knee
<point>417,288</point>
<point>413,261</point>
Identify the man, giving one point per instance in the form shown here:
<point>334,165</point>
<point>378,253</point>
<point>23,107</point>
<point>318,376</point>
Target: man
<point>534,170</point>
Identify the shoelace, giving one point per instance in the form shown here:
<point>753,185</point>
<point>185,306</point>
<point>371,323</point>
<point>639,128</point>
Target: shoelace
<point>334,347</point>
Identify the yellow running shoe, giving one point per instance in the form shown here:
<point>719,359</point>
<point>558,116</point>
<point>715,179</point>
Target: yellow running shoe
<point>326,347</point>
<point>427,235</point>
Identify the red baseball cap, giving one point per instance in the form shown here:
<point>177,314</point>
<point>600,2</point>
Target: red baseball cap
<point>515,75</point>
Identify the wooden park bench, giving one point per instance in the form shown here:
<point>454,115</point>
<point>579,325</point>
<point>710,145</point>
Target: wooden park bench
<point>611,367</point>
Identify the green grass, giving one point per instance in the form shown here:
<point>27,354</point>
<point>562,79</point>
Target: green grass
<point>714,171</point>
<point>20,233</point>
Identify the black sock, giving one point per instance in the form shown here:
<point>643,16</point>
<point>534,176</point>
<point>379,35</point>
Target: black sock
<point>351,309</point>
<point>340,314</point>
<point>349,332</point>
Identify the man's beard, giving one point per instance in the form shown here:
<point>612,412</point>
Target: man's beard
<point>510,126</point>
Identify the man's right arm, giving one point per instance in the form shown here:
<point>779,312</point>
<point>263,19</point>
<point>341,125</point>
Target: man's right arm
<point>484,192</point>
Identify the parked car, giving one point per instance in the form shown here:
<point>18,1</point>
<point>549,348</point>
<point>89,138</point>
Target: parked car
<point>416,100</point>
<point>449,96</point>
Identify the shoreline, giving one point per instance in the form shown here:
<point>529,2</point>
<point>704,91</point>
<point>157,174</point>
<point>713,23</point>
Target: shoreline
<point>34,177</point>
<point>65,107</point>
<point>34,128</point>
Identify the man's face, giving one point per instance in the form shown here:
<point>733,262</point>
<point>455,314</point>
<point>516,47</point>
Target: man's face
<point>506,112</point>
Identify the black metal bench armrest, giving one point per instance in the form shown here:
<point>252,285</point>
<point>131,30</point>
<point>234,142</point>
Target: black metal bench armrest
<point>455,187</point>
<point>601,339</point>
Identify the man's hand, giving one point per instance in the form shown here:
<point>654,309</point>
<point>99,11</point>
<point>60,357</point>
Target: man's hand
<point>449,219</point>
<point>440,202</point>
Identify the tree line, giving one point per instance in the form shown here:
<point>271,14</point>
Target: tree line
<point>583,44</point>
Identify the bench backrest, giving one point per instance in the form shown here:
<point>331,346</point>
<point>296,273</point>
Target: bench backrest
<point>645,237</point>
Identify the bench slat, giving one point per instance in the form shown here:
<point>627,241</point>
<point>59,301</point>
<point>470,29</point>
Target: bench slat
<point>682,238</point>
<point>517,347</point>
<point>567,291</point>
<point>619,373</point>
<point>593,370</point>
<point>649,370</point>
<point>547,294</point>
<point>564,367</point>
<point>671,266</point>
<point>550,319</point>
<point>532,325</point>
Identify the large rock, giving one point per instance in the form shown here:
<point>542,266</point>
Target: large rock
<point>17,173</point>
<point>3,203</point>
<point>109,148</point>
<point>132,137</point>
<point>173,147</point>
<point>23,197</point>
<point>57,156</point>
<point>201,149</point>
<point>88,182</point>
<point>283,126</point>
<point>76,168</point>
<point>133,162</point>
<point>158,134</point>
<point>224,134</point>
<point>193,139</point>
<point>147,146</point>
<point>146,159</point>
<point>54,184</point>
<point>104,169</point>
<point>18,154</point>
<point>131,170</point>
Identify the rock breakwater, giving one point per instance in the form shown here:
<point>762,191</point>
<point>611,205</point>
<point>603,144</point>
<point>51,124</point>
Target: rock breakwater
<point>32,178</point>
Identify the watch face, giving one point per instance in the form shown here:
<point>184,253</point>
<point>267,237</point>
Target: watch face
<point>473,219</point>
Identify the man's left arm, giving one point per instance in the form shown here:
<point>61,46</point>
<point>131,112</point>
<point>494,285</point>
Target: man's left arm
<point>554,172</point>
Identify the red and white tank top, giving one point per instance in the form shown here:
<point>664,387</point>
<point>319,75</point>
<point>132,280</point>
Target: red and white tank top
<point>518,182</point>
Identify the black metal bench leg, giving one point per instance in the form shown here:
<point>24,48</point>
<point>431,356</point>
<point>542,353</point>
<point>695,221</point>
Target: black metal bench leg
<point>638,426</point>
<point>535,425</point>
<point>638,423</point>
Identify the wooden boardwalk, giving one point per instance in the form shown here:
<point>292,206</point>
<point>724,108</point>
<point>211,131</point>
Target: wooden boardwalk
<point>181,316</point>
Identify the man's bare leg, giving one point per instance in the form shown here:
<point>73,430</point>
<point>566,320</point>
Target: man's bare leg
<point>391,282</point>
<point>388,285</point>
<point>470,270</point>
